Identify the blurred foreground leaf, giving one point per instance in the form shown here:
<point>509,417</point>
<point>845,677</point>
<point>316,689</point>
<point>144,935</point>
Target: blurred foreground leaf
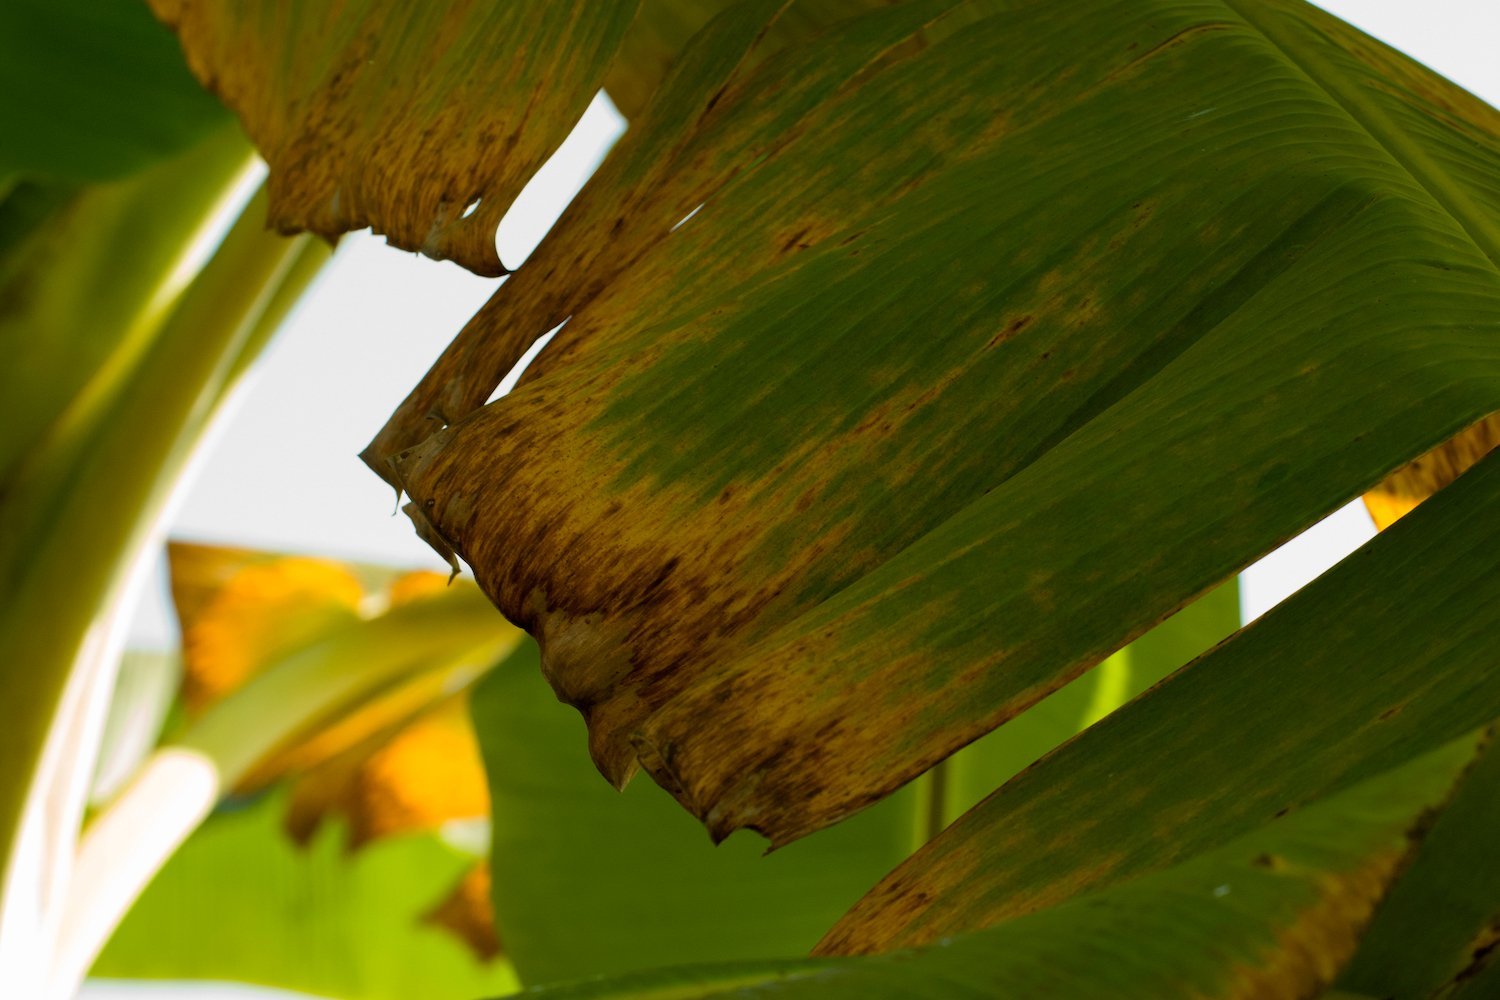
<point>240,901</point>
<point>93,90</point>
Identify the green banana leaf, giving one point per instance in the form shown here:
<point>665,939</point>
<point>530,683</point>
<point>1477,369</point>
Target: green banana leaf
<point>1233,922</point>
<point>1435,935</point>
<point>242,902</point>
<point>93,90</point>
<point>588,881</point>
<point>913,368</point>
<point>978,358</point>
<point>1333,686</point>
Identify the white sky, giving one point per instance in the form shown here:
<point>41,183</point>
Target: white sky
<point>282,474</point>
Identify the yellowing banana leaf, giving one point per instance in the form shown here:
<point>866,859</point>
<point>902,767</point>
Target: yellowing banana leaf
<point>93,90</point>
<point>367,660</point>
<point>590,881</point>
<point>240,610</point>
<point>345,682</point>
<point>242,902</point>
<point>426,774</point>
<point>1408,486</point>
<point>902,383</point>
<point>1271,914</point>
<point>1332,687</point>
<point>420,120</point>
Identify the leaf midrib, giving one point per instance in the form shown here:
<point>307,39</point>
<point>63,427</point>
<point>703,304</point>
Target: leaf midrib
<point>1476,223</point>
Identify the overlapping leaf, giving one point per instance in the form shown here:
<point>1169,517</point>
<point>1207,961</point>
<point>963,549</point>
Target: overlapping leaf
<point>1436,933</point>
<point>901,383</point>
<point>588,881</point>
<point>1330,688</point>
<point>1272,914</point>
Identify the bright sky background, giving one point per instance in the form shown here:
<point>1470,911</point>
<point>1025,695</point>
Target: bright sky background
<point>281,471</point>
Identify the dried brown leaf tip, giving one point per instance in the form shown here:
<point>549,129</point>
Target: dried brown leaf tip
<point>422,121</point>
<point>1408,486</point>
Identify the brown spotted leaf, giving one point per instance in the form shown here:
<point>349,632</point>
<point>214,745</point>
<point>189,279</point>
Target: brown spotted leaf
<point>901,383</point>
<point>420,120</point>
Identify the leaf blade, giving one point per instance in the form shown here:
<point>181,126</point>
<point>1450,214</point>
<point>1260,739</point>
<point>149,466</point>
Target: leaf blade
<point>785,483</point>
